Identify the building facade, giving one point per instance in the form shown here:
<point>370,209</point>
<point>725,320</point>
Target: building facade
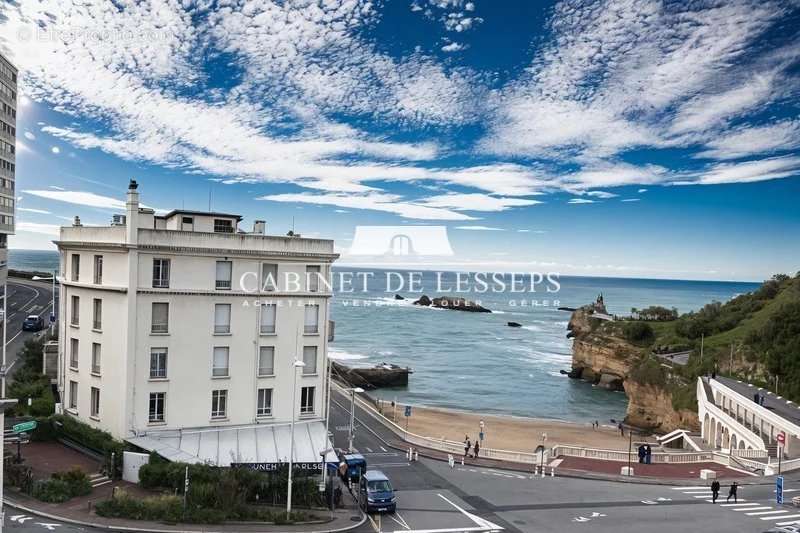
<point>184,322</point>
<point>8,136</point>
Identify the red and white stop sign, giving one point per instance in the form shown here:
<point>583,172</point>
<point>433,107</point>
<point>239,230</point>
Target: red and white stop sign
<point>781,437</point>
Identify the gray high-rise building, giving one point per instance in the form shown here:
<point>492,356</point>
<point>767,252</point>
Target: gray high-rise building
<point>8,135</point>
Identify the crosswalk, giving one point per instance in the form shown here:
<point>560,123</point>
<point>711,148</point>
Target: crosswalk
<point>759,510</point>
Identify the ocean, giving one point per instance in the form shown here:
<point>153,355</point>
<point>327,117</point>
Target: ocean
<point>474,361</point>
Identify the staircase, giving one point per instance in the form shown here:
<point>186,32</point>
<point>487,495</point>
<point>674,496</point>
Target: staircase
<point>98,480</point>
<point>772,451</point>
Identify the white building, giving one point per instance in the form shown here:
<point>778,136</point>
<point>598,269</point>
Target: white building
<point>8,135</point>
<point>179,333</point>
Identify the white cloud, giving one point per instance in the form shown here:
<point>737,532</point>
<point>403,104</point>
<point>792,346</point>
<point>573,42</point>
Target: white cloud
<point>641,191</point>
<point>479,228</point>
<point>580,201</point>
<point>30,210</point>
<point>83,198</point>
<point>750,171</point>
<point>630,200</point>
<point>33,227</point>
<point>30,136</point>
<point>746,141</point>
<point>56,150</point>
<point>476,202</point>
<point>388,203</point>
<point>453,47</point>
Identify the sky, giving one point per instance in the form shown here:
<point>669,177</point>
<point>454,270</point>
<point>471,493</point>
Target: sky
<point>626,138</point>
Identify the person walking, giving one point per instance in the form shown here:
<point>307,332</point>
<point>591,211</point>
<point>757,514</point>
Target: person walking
<point>477,449</point>
<point>648,454</point>
<point>641,453</point>
<point>714,491</point>
<point>733,492</point>
<point>621,429</point>
<point>467,446</point>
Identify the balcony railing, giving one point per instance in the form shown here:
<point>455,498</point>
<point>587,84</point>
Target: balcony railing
<point>223,284</point>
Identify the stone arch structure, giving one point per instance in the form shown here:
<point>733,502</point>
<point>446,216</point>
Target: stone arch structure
<point>726,438</point>
<point>706,428</point>
<point>733,441</point>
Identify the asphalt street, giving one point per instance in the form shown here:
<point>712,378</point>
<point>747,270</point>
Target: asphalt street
<point>24,298</point>
<point>434,497</point>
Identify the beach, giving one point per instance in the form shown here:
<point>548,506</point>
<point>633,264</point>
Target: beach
<point>510,433</point>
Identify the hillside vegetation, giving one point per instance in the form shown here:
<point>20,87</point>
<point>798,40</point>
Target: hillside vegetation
<point>754,336</point>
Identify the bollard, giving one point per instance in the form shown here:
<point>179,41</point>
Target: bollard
<point>552,471</point>
<point>462,461</point>
<point>416,455</point>
<point>543,472</point>
<point>535,470</point>
<point>451,463</point>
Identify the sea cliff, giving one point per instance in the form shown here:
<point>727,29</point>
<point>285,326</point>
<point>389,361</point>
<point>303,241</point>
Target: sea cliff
<point>603,356</point>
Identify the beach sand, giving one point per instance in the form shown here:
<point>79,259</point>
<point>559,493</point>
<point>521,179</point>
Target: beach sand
<point>508,432</point>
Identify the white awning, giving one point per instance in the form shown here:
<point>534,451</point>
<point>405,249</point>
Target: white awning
<point>257,444</point>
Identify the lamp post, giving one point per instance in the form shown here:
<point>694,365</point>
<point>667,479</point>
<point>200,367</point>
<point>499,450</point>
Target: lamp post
<point>52,300</point>
<point>297,364</point>
<point>353,392</point>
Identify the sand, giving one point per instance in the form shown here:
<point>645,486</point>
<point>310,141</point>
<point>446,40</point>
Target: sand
<point>508,432</point>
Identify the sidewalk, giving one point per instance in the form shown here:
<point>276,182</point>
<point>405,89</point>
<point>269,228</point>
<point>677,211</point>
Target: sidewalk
<point>79,511</point>
<point>663,474</point>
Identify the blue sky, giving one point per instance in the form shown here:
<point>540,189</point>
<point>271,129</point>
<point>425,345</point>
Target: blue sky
<point>619,138</point>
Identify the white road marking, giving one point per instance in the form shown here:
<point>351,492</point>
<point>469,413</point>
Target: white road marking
<point>51,527</point>
<point>793,522</point>
<point>483,524</point>
<point>752,509</point>
<point>780,517</point>
<point>689,488</point>
<point>384,449</point>
<point>737,504</point>
<point>369,450</point>
<point>400,520</point>
<point>760,513</point>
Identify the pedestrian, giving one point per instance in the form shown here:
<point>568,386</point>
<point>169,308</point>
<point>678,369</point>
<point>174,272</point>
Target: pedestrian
<point>621,430</point>
<point>714,491</point>
<point>641,453</point>
<point>467,446</point>
<point>648,454</point>
<point>477,449</point>
<point>733,493</point>
<point>597,424</point>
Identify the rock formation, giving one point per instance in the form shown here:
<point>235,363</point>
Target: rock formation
<point>455,303</point>
<point>514,325</point>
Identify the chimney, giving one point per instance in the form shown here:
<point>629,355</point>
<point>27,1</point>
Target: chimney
<point>259,227</point>
<point>77,222</point>
<point>132,213</point>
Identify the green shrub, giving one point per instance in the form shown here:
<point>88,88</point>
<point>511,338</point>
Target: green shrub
<point>77,480</point>
<point>62,486</point>
<point>649,372</point>
<point>42,407</point>
<point>638,332</point>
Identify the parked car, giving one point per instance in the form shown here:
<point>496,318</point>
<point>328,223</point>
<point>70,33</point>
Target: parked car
<point>376,493</point>
<point>33,323</point>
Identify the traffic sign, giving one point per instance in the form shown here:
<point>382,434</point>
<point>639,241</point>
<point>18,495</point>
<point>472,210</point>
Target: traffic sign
<point>779,490</point>
<point>480,436</point>
<point>408,410</point>
<point>781,437</point>
<point>24,426</point>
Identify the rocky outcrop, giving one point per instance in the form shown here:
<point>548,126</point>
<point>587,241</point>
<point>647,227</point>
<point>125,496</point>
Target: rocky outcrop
<point>455,303</point>
<point>398,297</point>
<point>375,377</point>
<point>650,407</point>
<point>514,325</point>
<point>603,358</point>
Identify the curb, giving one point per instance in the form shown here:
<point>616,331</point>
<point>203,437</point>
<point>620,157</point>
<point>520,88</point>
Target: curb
<point>573,474</point>
<point>110,527</point>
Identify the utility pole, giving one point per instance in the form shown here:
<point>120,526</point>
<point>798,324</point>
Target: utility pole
<point>730,368</point>
<point>702,342</point>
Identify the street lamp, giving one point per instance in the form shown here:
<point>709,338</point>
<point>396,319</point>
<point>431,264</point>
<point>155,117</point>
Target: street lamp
<point>53,300</point>
<point>353,392</point>
<point>297,364</point>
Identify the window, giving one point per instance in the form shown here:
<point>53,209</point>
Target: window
<point>312,319</point>
<point>312,278</point>
<point>220,363</point>
<point>97,319</point>
<point>224,271</point>
<point>73,394</point>
<point>98,269</point>
<point>222,318</point>
<point>223,226</point>
<point>268,318</point>
<point>264,407</point>
<point>95,358</point>
<point>310,359</point>
<point>269,276</point>
<point>161,269</point>
<point>95,411</point>
<point>158,363</point>
<point>307,401</point>
<point>76,267</point>
<point>219,403</point>
<point>187,223</point>
<point>75,317</point>
<point>266,361</point>
<point>157,403</point>
<point>73,353</point>
<point>160,322</point>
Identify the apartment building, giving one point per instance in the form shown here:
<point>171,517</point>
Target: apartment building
<point>180,334</point>
<point>8,136</point>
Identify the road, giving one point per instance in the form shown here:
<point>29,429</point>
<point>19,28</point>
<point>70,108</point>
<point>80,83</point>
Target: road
<point>24,298</point>
<point>432,496</point>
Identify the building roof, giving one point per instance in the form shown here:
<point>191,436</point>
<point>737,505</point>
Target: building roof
<point>221,446</point>
<point>782,407</point>
<point>175,212</point>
